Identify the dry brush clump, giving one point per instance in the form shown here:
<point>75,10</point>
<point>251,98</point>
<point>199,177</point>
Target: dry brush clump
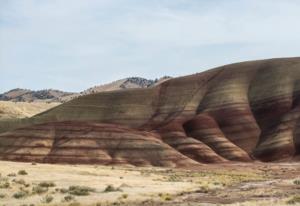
<point>20,194</point>
<point>22,172</point>
<point>47,199</point>
<point>4,182</point>
<point>68,198</point>
<point>297,182</point>
<point>77,190</point>
<point>47,184</point>
<point>39,190</point>
<point>111,188</point>
<point>294,200</point>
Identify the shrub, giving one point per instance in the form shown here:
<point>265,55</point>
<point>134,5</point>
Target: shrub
<point>47,199</point>
<point>297,182</point>
<point>63,190</point>
<point>124,196</point>
<point>294,200</point>
<point>11,175</point>
<point>69,198</point>
<point>2,196</point>
<point>4,185</point>
<point>80,190</point>
<point>165,197</point>
<point>22,172</point>
<point>19,181</point>
<point>74,204</point>
<point>111,188</point>
<point>20,194</point>
<point>39,190</point>
<point>46,184</point>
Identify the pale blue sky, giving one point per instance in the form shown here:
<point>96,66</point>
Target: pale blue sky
<point>74,44</point>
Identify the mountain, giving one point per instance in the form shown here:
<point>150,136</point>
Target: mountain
<point>26,95</point>
<point>241,112</point>
<point>50,95</point>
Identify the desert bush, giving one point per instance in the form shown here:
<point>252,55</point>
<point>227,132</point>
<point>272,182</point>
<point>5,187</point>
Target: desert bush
<point>124,196</point>
<point>69,198</point>
<point>12,174</point>
<point>165,197</point>
<point>111,188</point>
<point>22,172</point>
<point>297,182</point>
<point>63,190</point>
<point>74,204</point>
<point>2,196</point>
<point>294,200</point>
<point>19,181</point>
<point>47,199</point>
<point>174,178</point>
<point>46,184</point>
<point>80,190</point>
<point>20,194</point>
<point>39,190</point>
<point>4,185</point>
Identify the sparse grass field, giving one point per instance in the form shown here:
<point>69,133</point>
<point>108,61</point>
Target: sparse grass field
<point>91,185</point>
<point>9,110</point>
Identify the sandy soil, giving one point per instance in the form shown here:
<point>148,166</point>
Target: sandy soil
<point>234,184</point>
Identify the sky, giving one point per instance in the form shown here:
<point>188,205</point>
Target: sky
<point>72,45</point>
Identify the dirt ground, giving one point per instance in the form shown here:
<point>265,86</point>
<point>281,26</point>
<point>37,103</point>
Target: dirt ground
<point>79,185</point>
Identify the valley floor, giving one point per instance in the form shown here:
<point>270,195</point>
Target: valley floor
<point>91,185</point>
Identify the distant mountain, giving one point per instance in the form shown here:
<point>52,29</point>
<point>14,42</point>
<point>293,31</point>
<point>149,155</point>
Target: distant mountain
<point>127,83</point>
<point>26,95</point>
<point>50,95</point>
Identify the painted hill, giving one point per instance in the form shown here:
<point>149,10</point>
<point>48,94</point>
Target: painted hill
<point>240,112</point>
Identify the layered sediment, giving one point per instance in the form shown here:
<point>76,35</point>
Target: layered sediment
<point>240,112</point>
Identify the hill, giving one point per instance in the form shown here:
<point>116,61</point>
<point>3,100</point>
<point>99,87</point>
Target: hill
<point>127,83</point>
<point>240,112</point>
<point>50,95</point>
<point>26,95</point>
<point>11,110</point>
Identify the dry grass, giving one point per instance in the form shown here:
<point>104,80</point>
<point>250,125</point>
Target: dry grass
<point>88,185</point>
<point>10,110</point>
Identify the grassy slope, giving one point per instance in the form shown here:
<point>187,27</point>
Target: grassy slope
<point>9,110</point>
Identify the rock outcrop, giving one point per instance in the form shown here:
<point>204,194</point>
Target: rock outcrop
<point>239,112</point>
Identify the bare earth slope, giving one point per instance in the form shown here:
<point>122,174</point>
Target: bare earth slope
<point>238,112</point>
